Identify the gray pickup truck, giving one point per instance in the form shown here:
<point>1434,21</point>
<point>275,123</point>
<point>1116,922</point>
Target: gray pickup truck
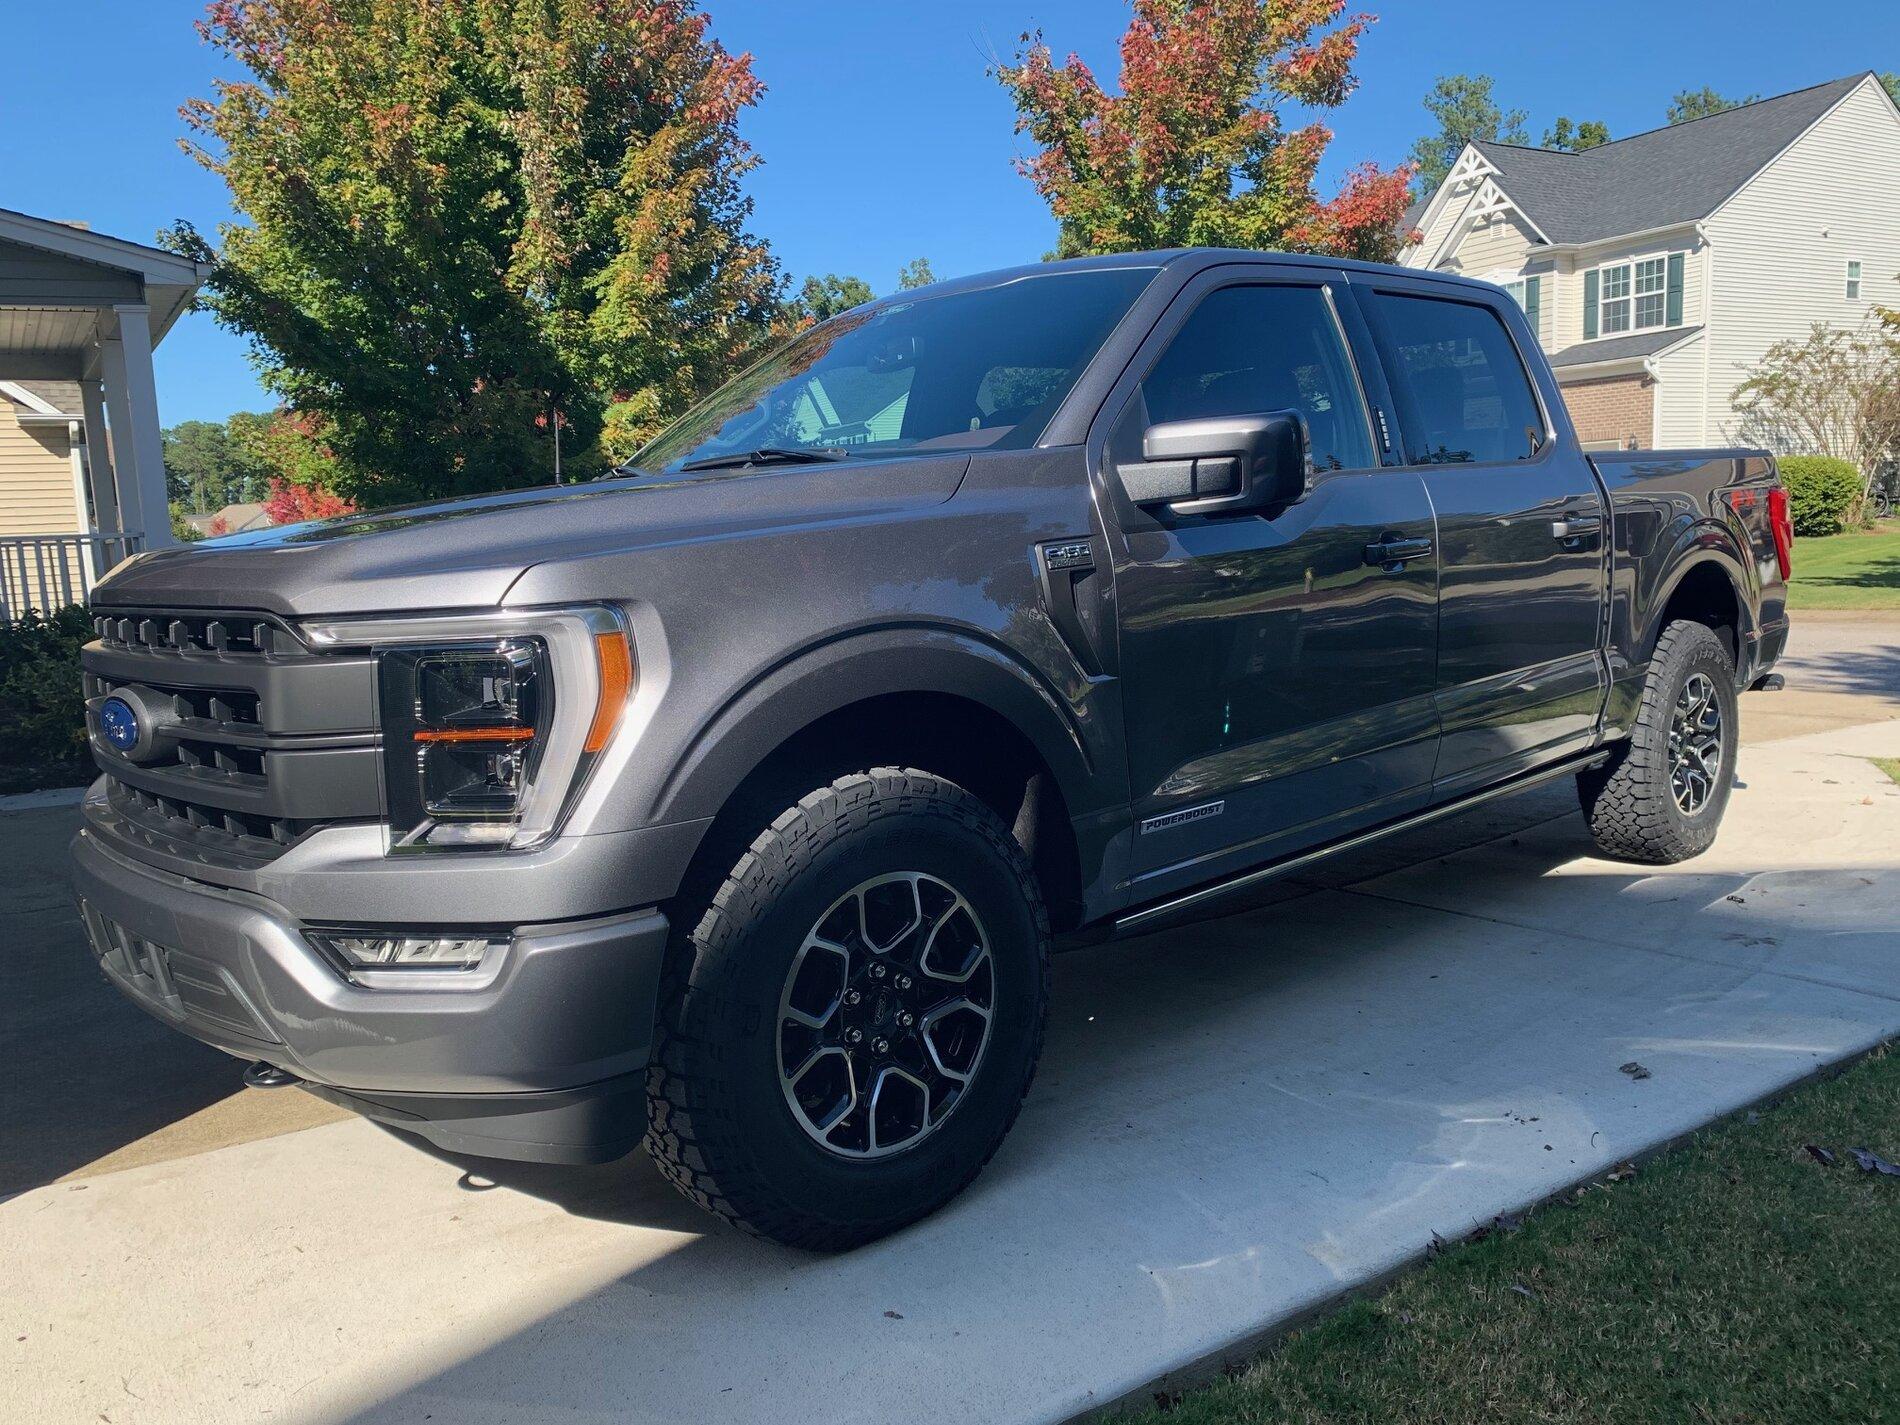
<point>736,802</point>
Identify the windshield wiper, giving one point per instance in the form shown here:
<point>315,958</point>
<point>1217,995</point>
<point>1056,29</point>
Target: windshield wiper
<point>767,455</point>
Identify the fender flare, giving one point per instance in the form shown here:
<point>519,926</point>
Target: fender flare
<point>1705,543</point>
<point>910,658</point>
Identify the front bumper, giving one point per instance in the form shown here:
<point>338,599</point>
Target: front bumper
<point>540,1054</point>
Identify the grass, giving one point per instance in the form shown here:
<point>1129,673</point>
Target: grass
<point>1734,1278</point>
<point>1889,765</point>
<point>1860,570</point>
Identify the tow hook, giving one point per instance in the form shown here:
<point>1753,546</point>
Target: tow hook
<point>259,1075</point>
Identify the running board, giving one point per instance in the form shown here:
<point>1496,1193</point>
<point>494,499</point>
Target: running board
<point>1136,921</point>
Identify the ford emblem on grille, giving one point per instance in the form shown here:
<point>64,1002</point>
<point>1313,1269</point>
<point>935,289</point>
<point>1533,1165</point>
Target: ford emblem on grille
<point>119,721</point>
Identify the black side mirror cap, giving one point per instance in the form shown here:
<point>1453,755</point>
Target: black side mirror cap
<point>1248,462</point>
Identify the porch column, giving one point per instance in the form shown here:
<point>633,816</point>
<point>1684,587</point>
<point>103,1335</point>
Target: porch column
<point>99,479</point>
<point>132,406</point>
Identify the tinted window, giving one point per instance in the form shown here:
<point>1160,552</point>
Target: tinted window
<point>1249,350</point>
<point>1468,398</point>
<point>983,367</point>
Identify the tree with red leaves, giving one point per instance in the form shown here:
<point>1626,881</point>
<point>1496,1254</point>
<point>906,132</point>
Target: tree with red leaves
<point>458,215</point>
<point>1193,151</point>
<point>287,503</point>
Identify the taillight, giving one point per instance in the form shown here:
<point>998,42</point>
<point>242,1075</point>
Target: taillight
<point>1782,526</point>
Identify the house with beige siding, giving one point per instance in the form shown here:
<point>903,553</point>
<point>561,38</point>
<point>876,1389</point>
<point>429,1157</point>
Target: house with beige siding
<point>1659,268</point>
<point>82,473</point>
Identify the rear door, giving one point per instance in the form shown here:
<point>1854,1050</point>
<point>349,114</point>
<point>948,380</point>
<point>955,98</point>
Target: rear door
<point>1277,668</point>
<point>1521,526</point>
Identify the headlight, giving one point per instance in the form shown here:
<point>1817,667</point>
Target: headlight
<point>490,722</point>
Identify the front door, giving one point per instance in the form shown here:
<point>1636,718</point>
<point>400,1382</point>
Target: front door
<point>1277,668</point>
<point>1521,526</point>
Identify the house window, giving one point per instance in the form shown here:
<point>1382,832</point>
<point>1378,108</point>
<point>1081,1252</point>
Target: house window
<point>1616,299</point>
<point>1853,280</point>
<point>1638,296</point>
<point>1651,274</point>
<point>1528,293</point>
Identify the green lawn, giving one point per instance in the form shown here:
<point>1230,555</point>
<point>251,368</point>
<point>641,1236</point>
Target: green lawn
<point>1848,571</point>
<point>1889,765</point>
<point>1735,1278</point>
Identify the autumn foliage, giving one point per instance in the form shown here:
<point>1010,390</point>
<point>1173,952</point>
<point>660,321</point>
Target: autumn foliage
<point>1193,150</point>
<point>460,215</point>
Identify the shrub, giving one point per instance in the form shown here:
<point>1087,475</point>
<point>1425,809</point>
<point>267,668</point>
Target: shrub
<point>42,705</point>
<point>1822,493</point>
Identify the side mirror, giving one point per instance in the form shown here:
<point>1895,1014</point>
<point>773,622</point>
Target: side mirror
<point>1250,462</point>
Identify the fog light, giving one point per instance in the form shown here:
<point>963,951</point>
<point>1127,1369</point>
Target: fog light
<point>390,952</point>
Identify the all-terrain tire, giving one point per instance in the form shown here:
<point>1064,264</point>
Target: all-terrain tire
<point>1630,801</point>
<point>720,1123</point>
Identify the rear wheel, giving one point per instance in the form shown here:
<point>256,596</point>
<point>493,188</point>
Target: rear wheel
<point>1661,796</point>
<point>848,1030</point>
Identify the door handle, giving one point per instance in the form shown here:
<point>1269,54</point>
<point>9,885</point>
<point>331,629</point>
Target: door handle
<point>1574,532</point>
<point>1393,554</point>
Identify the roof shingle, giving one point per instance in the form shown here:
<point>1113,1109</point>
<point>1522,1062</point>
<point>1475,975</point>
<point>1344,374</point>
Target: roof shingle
<point>1656,179</point>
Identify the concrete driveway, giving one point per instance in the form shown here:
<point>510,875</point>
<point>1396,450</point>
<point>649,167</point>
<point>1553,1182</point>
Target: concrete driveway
<point>1235,1122</point>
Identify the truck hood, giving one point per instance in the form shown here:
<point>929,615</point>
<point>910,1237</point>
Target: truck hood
<point>466,553</point>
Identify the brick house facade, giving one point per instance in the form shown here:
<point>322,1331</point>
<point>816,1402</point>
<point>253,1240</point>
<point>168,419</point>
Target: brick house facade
<point>1612,412</point>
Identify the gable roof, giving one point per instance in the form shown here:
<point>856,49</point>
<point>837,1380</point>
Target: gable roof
<point>1671,175</point>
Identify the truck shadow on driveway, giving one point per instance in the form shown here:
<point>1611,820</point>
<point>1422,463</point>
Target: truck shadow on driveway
<point>1116,1006</point>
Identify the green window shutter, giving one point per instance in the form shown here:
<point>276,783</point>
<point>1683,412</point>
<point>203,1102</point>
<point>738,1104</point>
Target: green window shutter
<point>1674,299</point>
<point>1589,305</point>
<point>1534,301</point>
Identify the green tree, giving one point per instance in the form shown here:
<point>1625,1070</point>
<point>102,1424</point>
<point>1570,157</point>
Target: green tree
<point>1575,138</point>
<point>1462,107</point>
<point>208,467</point>
<point>1700,103</point>
<point>826,296</point>
<point>1890,81</point>
<point>916,273</point>
<point>1193,150</point>
<point>462,216</point>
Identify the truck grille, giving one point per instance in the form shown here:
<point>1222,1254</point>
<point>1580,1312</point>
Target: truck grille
<point>263,741</point>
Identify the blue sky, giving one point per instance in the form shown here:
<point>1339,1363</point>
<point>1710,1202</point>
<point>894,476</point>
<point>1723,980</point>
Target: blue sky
<point>883,138</point>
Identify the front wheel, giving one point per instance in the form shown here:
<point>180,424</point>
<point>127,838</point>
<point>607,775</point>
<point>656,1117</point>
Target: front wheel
<point>848,1030</point>
<point>1661,796</point>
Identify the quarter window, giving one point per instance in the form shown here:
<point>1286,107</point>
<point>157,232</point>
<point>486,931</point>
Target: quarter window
<point>1468,397</point>
<point>1853,280</point>
<point>1253,350</point>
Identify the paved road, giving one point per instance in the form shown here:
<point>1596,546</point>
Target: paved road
<point>1235,1122</point>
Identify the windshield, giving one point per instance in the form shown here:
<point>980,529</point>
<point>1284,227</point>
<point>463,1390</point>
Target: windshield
<point>983,368</point>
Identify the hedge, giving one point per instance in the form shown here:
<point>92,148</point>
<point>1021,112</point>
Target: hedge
<point>42,705</point>
<point>1822,493</point>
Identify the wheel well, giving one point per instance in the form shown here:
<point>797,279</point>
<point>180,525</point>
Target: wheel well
<point>955,738</point>
<point>1707,596</point>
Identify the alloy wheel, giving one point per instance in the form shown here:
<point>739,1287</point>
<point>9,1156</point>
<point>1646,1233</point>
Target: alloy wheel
<point>885,1015</point>
<point>1695,744</point>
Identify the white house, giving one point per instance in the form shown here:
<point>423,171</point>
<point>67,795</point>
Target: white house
<point>1659,268</point>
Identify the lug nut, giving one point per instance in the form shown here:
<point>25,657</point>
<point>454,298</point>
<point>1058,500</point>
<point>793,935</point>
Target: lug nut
<point>903,982</point>
<point>905,1019</point>
<point>852,997</point>
<point>852,1036</point>
<point>877,972</point>
<point>880,1046</point>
